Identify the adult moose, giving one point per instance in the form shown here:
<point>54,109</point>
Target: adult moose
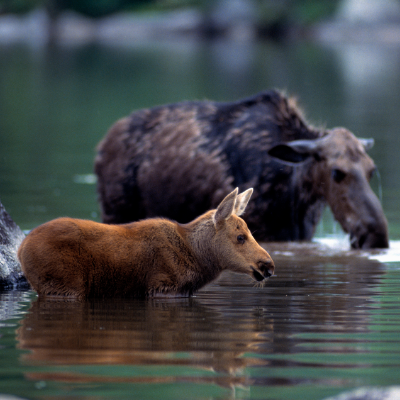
<point>82,259</point>
<point>179,160</point>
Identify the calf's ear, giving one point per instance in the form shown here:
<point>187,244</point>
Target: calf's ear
<point>241,201</point>
<point>367,143</point>
<point>294,152</point>
<point>225,208</point>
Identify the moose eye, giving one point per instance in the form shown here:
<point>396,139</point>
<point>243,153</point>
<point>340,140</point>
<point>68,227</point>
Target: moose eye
<point>241,239</point>
<point>372,173</point>
<point>338,175</point>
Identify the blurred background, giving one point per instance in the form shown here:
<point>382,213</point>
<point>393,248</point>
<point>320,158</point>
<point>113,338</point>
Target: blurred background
<point>70,68</point>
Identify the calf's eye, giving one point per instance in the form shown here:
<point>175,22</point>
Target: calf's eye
<point>241,239</point>
<point>338,175</point>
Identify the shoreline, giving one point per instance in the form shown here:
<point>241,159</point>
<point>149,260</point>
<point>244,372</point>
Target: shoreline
<point>125,29</point>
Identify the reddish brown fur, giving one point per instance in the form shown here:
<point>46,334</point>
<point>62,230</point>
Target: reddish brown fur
<point>79,258</point>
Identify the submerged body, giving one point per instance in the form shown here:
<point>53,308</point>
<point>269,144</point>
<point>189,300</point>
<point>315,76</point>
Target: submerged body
<point>179,160</point>
<point>81,259</point>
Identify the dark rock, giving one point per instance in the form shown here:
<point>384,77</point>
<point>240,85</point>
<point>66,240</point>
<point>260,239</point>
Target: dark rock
<point>11,236</point>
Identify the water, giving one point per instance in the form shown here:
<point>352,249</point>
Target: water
<point>327,323</point>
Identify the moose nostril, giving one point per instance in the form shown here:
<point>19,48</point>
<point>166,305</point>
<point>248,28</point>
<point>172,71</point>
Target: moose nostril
<point>267,268</point>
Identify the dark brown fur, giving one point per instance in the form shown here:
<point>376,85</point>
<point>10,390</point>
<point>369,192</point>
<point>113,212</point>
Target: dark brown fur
<point>179,160</point>
<point>79,258</point>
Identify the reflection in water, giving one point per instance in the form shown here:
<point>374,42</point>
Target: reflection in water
<point>10,306</point>
<point>139,332</point>
<point>231,333</point>
<point>164,332</point>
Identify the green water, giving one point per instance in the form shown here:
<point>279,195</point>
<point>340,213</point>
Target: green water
<point>319,328</point>
<point>327,323</point>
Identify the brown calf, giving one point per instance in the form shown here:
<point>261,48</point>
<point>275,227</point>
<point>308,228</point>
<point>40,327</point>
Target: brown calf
<point>81,259</point>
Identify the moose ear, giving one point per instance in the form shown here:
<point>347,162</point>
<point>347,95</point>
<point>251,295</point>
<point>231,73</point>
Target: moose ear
<point>226,207</point>
<point>241,201</point>
<point>367,143</point>
<point>294,152</point>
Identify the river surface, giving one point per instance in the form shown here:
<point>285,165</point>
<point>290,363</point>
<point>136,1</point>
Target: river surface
<point>328,322</point>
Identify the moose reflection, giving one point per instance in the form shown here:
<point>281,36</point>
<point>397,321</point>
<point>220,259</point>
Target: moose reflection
<point>175,332</point>
<point>216,336</point>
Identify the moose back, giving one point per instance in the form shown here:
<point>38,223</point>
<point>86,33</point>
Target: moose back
<point>180,160</point>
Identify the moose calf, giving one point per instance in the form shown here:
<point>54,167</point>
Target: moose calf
<point>81,259</point>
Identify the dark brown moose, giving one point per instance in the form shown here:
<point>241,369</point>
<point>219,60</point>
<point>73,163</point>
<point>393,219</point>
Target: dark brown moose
<point>79,258</point>
<point>179,160</point>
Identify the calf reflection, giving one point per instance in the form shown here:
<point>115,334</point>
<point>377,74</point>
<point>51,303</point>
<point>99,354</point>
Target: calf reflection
<point>178,332</point>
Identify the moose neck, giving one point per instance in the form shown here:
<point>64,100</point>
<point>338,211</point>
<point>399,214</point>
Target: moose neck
<point>199,234</point>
